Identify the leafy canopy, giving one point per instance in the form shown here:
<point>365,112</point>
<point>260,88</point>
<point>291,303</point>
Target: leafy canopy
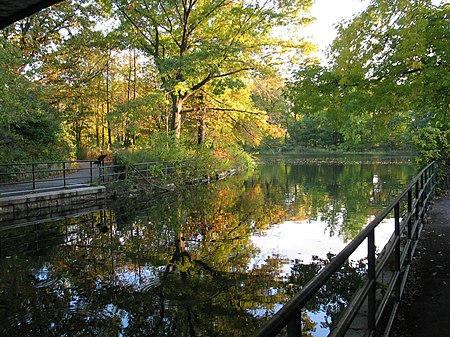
<point>388,77</point>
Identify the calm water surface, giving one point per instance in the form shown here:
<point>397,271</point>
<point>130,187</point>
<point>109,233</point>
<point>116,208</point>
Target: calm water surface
<point>212,260</point>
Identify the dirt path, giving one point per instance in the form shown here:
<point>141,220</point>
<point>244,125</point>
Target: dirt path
<point>426,309</point>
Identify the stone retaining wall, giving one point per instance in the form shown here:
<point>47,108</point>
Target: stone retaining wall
<point>27,206</point>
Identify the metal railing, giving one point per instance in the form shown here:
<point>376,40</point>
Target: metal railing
<point>164,174</point>
<point>19,178</point>
<point>408,209</point>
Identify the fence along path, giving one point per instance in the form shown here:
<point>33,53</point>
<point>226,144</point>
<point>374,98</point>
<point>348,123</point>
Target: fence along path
<point>408,211</point>
<point>22,178</point>
<point>42,176</point>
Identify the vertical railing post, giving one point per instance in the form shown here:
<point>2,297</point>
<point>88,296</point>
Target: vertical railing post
<point>425,176</point>
<point>434,174</point>
<point>422,202</point>
<point>398,265</point>
<point>33,169</point>
<point>294,326</point>
<point>416,189</point>
<point>102,168</point>
<point>64,173</point>
<point>416,211</point>
<point>422,180</point>
<point>410,225</point>
<point>91,178</point>
<point>371,297</point>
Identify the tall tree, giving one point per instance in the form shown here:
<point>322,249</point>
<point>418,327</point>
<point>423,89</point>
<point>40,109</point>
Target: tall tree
<point>29,128</point>
<point>397,52</point>
<point>195,42</point>
<point>42,34</point>
<point>56,46</point>
<point>388,72</point>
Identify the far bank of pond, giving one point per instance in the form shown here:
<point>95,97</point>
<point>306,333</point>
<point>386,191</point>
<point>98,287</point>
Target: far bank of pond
<point>210,260</point>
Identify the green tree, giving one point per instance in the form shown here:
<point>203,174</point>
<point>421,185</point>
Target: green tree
<point>267,94</point>
<point>194,43</point>
<point>55,50</point>
<point>399,56</point>
<point>30,128</point>
<point>388,76</point>
<point>42,34</point>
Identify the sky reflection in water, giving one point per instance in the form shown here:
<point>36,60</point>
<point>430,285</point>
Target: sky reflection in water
<point>247,244</point>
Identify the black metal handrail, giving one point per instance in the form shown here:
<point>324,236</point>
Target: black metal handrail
<point>19,178</point>
<point>416,197</point>
<point>158,173</point>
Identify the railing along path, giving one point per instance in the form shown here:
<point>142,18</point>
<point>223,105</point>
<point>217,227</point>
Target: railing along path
<point>409,210</point>
<point>20,178</point>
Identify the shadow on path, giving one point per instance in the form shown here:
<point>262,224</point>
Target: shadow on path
<point>425,311</point>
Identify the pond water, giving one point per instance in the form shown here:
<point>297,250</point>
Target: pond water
<point>211,260</point>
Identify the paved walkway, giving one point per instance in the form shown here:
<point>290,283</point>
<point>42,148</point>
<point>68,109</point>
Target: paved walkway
<point>426,309</point>
<point>74,179</point>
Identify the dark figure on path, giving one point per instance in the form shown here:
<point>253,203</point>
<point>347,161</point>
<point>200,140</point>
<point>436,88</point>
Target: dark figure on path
<point>100,160</point>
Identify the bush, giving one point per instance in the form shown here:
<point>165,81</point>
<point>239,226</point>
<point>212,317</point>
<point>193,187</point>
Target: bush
<point>170,159</point>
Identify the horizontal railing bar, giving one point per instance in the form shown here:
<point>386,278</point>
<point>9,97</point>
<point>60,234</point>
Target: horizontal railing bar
<point>415,243</point>
<point>405,253</point>
<point>42,189</point>
<point>384,301</point>
<point>22,182</point>
<point>390,322</point>
<point>43,180</point>
<point>405,221</point>
<point>404,279</point>
<point>48,162</point>
<point>353,307</point>
<point>48,170</point>
<point>415,225</point>
<point>355,304</point>
<point>95,161</point>
<point>387,253</point>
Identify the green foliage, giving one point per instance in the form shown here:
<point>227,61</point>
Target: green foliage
<point>171,161</point>
<point>388,80</point>
<point>399,58</point>
<point>30,128</point>
<point>433,143</point>
<point>314,132</point>
<point>40,35</point>
<point>159,147</point>
<point>206,45</point>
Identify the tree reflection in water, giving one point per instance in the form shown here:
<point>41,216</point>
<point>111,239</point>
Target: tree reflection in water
<point>184,264</point>
<point>182,261</point>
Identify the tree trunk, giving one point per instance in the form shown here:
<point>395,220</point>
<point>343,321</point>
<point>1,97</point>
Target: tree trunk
<point>97,130</point>
<point>78,140</point>
<point>109,135</point>
<point>108,100</point>
<point>103,126</point>
<point>177,107</point>
<point>201,132</point>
